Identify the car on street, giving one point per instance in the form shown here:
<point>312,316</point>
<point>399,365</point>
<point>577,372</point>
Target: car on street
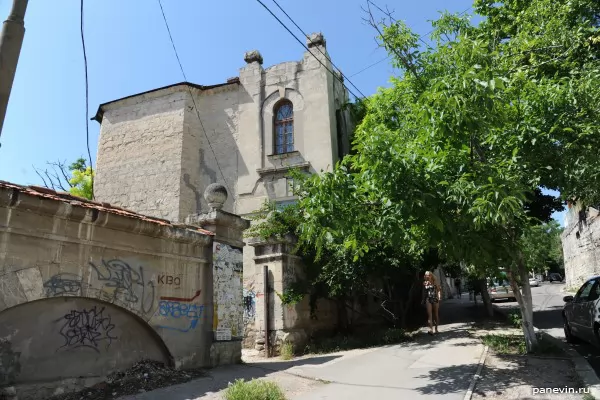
<point>534,282</point>
<point>580,313</point>
<point>555,277</point>
<point>499,289</point>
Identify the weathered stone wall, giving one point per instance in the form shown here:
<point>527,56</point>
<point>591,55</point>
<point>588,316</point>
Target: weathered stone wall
<point>227,276</point>
<point>156,140</point>
<point>208,141</point>
<point>581,247</point>
<point>227,324</point>
<point>139,163</point>
<point>310,88</point>
<point>292,323</point>
<point>87,288</point>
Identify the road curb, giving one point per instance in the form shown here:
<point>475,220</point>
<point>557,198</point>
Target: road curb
<point>582,368</point>
<point>469,393</point>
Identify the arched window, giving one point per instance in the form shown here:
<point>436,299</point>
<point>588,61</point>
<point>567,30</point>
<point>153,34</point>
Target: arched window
<point>284,127</point>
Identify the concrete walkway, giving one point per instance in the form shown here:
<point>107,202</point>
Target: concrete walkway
<point>427,368</point>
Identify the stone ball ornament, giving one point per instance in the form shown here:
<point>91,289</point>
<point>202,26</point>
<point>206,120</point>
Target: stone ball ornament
<point>215,195</point>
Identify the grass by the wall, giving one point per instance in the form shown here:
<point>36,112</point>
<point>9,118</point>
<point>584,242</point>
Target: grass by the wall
<point>515,344</point>
<point>287,351</point>
<point>371,339</point>
<point>255,389</point>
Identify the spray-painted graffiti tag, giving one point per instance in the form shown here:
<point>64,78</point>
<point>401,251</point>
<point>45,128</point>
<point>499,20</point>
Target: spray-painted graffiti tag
<point>63,285</point>
<point>177,308</point>
<point>126,281</point>
<point>118,281</point>
<point>86,328</point>
<point>249,305</point>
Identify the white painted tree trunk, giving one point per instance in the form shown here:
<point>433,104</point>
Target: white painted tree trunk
<point>485,297</point>
<point>523,296</point>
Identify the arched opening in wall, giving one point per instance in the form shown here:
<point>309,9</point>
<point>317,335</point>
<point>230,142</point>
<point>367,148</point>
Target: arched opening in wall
<point>49,340</point>
<point>283,127</point>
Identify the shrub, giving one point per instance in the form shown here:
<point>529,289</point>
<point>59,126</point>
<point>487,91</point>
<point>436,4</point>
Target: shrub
<point>287,351</point>
<point>254,390</point>
<point>515,318</point>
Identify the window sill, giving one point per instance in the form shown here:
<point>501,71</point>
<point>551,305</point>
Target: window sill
<point>284,168</point>
<point>281,156</point>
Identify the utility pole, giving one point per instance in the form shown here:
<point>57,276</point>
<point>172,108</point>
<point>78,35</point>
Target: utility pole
<point>11,40</point>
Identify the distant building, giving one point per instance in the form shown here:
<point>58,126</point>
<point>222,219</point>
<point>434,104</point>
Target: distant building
<point>581,244</point>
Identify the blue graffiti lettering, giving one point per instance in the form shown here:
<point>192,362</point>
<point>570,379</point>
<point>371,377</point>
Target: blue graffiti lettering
<point>177,310</point>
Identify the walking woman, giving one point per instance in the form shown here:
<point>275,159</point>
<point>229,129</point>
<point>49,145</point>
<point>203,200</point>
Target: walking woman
<point>432,295</point>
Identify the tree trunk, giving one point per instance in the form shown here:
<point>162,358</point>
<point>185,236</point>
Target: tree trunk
<point>525,304</point>
<point>485,297</point>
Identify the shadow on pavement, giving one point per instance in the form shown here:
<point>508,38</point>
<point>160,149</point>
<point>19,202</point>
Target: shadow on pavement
<point>447,380</point>
<point>220,377</point>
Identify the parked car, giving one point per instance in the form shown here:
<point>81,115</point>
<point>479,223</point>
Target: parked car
<point>580,313</point>
<point>555,277</point>
<point>534,282</point>
<point>499,289</point>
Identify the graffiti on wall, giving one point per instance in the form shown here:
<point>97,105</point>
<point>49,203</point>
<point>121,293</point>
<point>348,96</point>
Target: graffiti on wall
<point>86,328</point>
<point>63,284</point>
<point>169,280</point>
<point>125,282</point>
<point>175,309</point>
<point>228,295</point>
<point>118,281</point>
<point>249,300</point>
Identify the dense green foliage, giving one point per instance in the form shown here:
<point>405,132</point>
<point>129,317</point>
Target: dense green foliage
<point>448,162</point>
<point>542,247</point>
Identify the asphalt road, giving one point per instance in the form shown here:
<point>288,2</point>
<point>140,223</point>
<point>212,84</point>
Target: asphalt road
<point>547,308</point>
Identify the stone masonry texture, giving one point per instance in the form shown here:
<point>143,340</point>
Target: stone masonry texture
<point>87,289</point>
<point>159,150</point>
<point>581,246</point>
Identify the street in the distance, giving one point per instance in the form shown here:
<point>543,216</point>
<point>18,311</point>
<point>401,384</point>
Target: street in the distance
<point>547,308</point>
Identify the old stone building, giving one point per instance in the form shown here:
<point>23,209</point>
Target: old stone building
<point>160,149</point>
<point>581,245</point>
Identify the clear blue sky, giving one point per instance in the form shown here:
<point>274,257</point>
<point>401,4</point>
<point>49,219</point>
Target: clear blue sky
<point>129,51</point>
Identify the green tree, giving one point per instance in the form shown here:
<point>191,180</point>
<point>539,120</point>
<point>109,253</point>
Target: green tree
<point>542,248</point>
<point>452,156</point>
<point>77,178</point>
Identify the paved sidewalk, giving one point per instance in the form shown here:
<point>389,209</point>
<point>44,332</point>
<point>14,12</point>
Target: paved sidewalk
<point>427,368</point>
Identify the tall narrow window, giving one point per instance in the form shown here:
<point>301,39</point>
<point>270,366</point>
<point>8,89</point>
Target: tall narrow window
<point>284,127</point>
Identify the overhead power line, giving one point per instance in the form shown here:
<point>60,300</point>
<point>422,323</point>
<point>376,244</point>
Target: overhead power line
<point>389,56</point>
<point>307,49</point>
<point>326,56</point>
<point>371,65</point>
<point>192,97</point>
<point>87,100</point>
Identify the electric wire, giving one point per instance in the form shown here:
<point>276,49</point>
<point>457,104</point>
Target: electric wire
<point>192,97</point>
<point>389,55</point>
<point>307,49</point>
<point>326,56</point>
<point>87,99</point>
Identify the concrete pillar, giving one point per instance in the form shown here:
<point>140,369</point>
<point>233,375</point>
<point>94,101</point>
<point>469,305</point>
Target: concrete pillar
<point>11,40</point>
<point>292,323</point>
<point>228,229</point>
